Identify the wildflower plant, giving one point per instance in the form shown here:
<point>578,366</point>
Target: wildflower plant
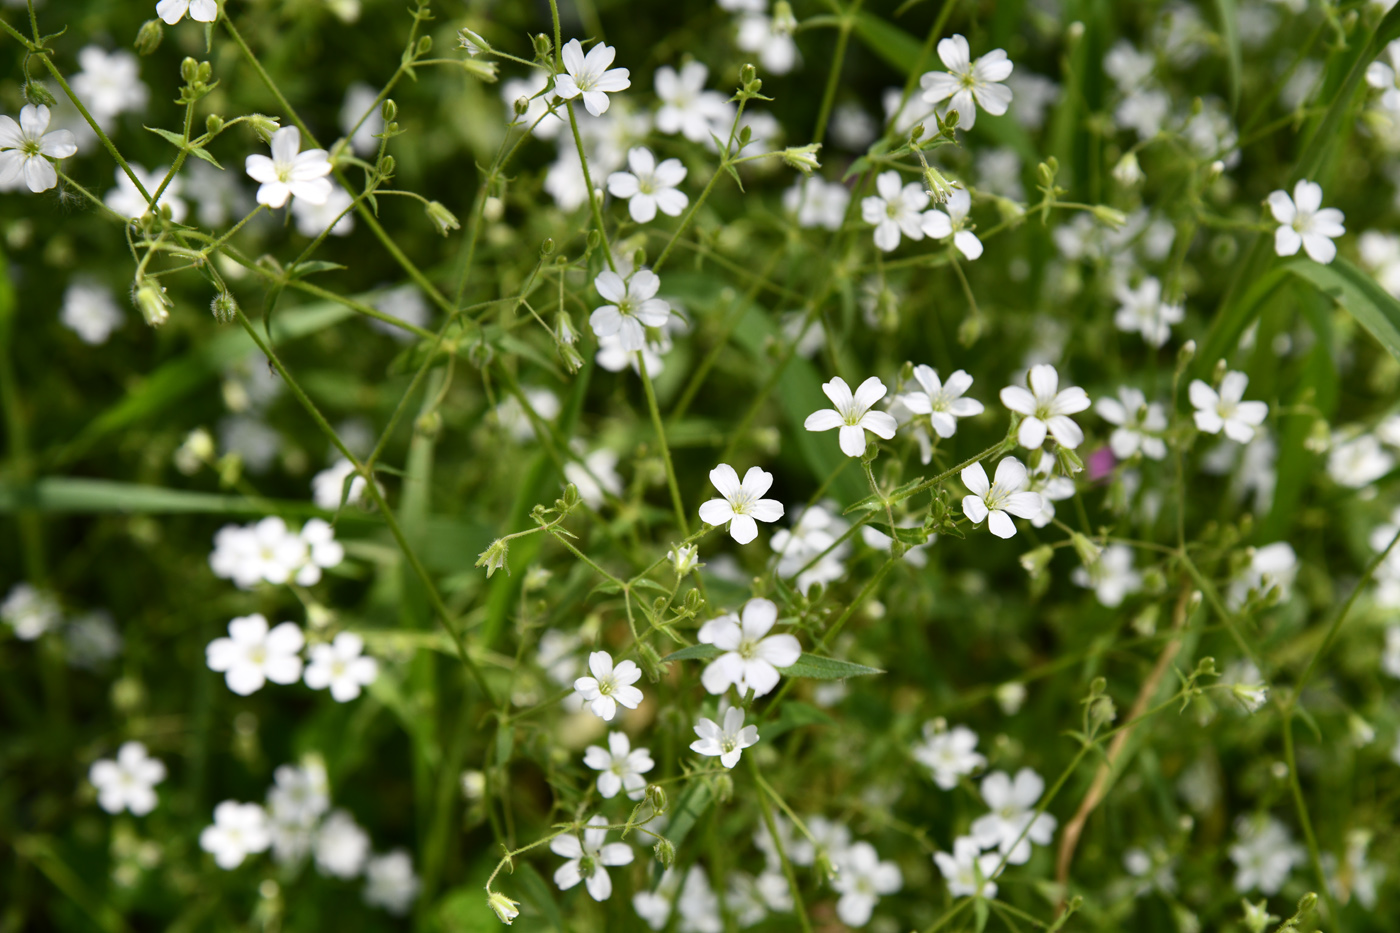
<point>421,507</point>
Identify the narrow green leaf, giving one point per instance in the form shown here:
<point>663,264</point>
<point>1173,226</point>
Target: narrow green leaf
<point>795,714</point>
<point>538,895</point>
<point>809,665</point>
<point>1371,305</point>
<point>899,49</point>
<point>79,494</point>
<point>175,139</point>
<point>694,653</point>
<point>311,267</point>
<point>1235,319</point>
<point>1230,36</point>
<point>689,807</point>
<point>201,153</point>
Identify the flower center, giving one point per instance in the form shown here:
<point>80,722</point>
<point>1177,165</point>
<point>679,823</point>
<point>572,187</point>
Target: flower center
<point>606,686</point>
<point>728,743</point>
<point>257,654</point>
<point>967,80</point>
<point>337,669</point>
<point>748,648</point>
<point>995,496</point>
<point>585,80</point>
<point>645,184</point>
<point>891,209</point>
<point>586,865</point>
<point>31,147</point>
<point>741,503</point>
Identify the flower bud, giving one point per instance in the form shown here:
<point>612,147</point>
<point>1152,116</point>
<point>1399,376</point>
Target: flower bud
<point>747,75</point>
<point>543,46</point>
<point>213,124</point>
<point>1110,216</point>
<point>197,450</point>
<point>151,301</point>
<point>224,307</point>
<point>1185,355</point>
<point>472,43</point>
<point>444,220</point>
<point>784,23</point>
<point>656,799</point>
<point>1250,696</point>
<point>1127,172</point>
<point>649,660</point>
<point>724,788</point>
<point>1102,711</point>
<point>1034,562</point>
<point>1087,550</point>
<point>494,557</point>
<point>1217,168</point>
<point>684,559</point>
<point>1069,462</point>
<point>428,424</point>
<point>493,209</point>
<point>482,71</point>
<point>970,330</point>
<point>803,158</point>
<point>522,106</point>
<point>189,70</point>
<point>387,166</point>
<point>148,37</point>
<point>264,126</point>
<point>506,909</point>
<point>664,850</point>
<point>1047,170</point>
<point>36,93</point>
<point>425,45</point>
<point>1307,903</point>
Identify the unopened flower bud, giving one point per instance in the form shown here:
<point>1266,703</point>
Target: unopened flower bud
<point>543,46</point>
<point>1047,170</point>
<point>482,71</point>
<point>148,37</point>
<point>970,330</point>
<point>1069,461</point>
<point>1034,562</point>
<point>1127,172</point>
<point>493,209</point>
<point>36,93</point>
<point>264,126</point>
<point>151,301</point>
<point>1109,216</point>
<point>1185,355</point>
<point>189,70</point>
<point>683,559</point>
<point>472,43</point>
<point>694,601</point>
<point>197,450</point>
<point>1102,711</point>
<point>1307,903</point>
<point>387,166</point>
<point>428,424</point>
<point>784,23</point>
<point>1087,550</point>
<point>1250,696</point>
<point>724,788</point>
<point>443,220</point>
<point>1257,917</point>
<point>649,661</point>
<point>506,909</point>
<point>213,124</point>
<point>425,45</point>
<point>656,799</point>
<point>748,75</point>
<point>522,106</point>
<point>568,355</point>
<point>494,557</point>
<point>803,158</point>
<point>1217,168</point>
<point>224,307</point>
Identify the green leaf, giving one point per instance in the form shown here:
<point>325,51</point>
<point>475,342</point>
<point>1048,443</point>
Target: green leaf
<point>199,152</point>
<point>311,267</point>
<point>809,665</point>
<point>899,49</point>
<point>175,139</point>
<point>689,807</point>
<point>1230,35</point>
<point>1235,319</point>
<point>694,653</point>
<point>79,494</point>
<point>1371,305</point>
<point>536,893</point>
<point>796,714</point>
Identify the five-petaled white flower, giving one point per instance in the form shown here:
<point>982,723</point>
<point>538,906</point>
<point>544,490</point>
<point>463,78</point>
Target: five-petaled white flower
<point>1142,310</point>
<point>129,783</point>
<point>1304,222</point>
<point>609,685</point>
<point>252,655</point>
<point>743,504</point>
<point>1046,408</point>
<point>342,666</point>
<point>590,76</point>
<point>587,858</point>
<point>1226,410</point>
<point>290,173</point>
<point>686,107</point>
<point>1111,577</point>
<point>894,210</point>
<point>949,754</point>
<point>1008,494</point>
<point>727,742</point>
<point>750,660</point>
<point>621,766</point>
<point>201,11</point>
<point>971,84</point>
<point>26,148</point>
<point>634,306</point>
<point>239,830</point>
<point>852,414</point>
<point>941,401</point>
<point>1013,825</point>
<point>1139,424</point>
<point>962,868</point>
<point>649,186</point>
<point>938,225</point>
<point>861,879</point>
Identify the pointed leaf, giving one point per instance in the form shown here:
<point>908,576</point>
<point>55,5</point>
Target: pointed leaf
<point>816,668</point>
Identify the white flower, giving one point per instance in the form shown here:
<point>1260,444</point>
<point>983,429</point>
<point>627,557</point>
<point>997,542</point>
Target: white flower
<point>1046,409</point>
<point>1264,855</point>
<point>1390,659</point>
<point>300,793</point>
<point>91,640</point>
<point>252,655</point>
<point>239,830</point>
<point>894,210</point>
<point>328,486</point>
<point>1129,68</point>
<point>27,146</point>
<point>1272,566</point>
<point>1013,815</point>
<point>342,666</point>
<point>1142,310</point>
<point>1034,95</point>
<point>742,505</point>
<point>1380,252</point>
<point>90,312</point>
<point>341,847</point>
<point>622,766</point>
<point>362,100</point>
<point>609,685</point>
<point>852,414</point>
<point>125,200</point>
<point>1304,222</point>
<point>1052,489</point>
<point>555,654</point>
<point>750,660</point>
<point>1359,462</point>
<point>861,881</point>
<point>390,882</point>
<point>1246,685</point>
<point>993,501</point>
<point>587,858</point>
<point>290,172</point>
<point>750,899</point>
<point>1144,111</point>
<point>776,50</point>
<point>320,551</point>
<point>962,868</point>
<point>1383,77</point>
<point>129,782</point>
<point>1225,409</point>
<point>654,907</point>
<point>686,107</point>
<point>814,532</point>
<point>596,475</point>
<point>531,89</point>
<point>30,612</point>
<point>201,11</point>
<point>939,225</point>
<point>943,402</point>
<point>511,416</point>
<point>266,550</point>
<point>948,754</point>
<point>830,840</point>
<point>1139,424</point>
<point>1112,576</point>
<point>634,306</point>
<point>109,83</point>
<point>727,743</point>
<point>312,219</point>
<point>817,203</point>
<point>590,76</point>
<point>649,186</point>
<point>971,84</point>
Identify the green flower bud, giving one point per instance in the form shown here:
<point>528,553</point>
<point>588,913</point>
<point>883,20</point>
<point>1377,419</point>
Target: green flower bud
<point>148,37</point>
<point>494,557</point>
<point>224,307</point>
<point>1127,172</point>
<point>482,71</point>
<point>151,301</point>
<point>784,23</point>
<point>656,799</point>
<point>444,220</point>
<point>665,851</point>
<point>425,45</point>
<point>472,43</point>
<point>803,158</point>
<point>543,46</point>
<point>214,124</point>
<point>429,424</point>
<point>36,93</point>
<point>1110,216</point>
<point>506,909</point>
<point>387,166</point>
<point>389,111</point>
<point>1034,562</point>
<point>189,69</point>
<point>264,126</point>
<point>1257,917</point>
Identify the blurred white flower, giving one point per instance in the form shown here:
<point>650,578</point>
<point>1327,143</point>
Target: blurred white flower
<point>341,846</point>
<point>596,475</point>
<point>125,200</point>
<point>1138,424</point>
<point>252,654</point>
<point>328,486</point>
<point>961,869</point>
<point>1143,310</point>
<point>1013,825</point>
<point>1111,577</point>
<point>342,666</point>
<point>1264,855</point>
<point>817,203</point>
<point>129,782</point>
<point>775,48</point>
<point>390,882</point>
<point>1305,223</point>
<point>861,881</point>
<point>90,312</point>
<point>239,830</point>
<point>1358,462</point>
<point>108,83</point>
<point>362,100</point>
<point>948,754</point>
<point>30,611</point>
<point>312,218</point>
<point>687,107</point>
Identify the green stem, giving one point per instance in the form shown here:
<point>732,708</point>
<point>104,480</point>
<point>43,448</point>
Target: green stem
<point>665,448</point>
<point>791,875</point>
